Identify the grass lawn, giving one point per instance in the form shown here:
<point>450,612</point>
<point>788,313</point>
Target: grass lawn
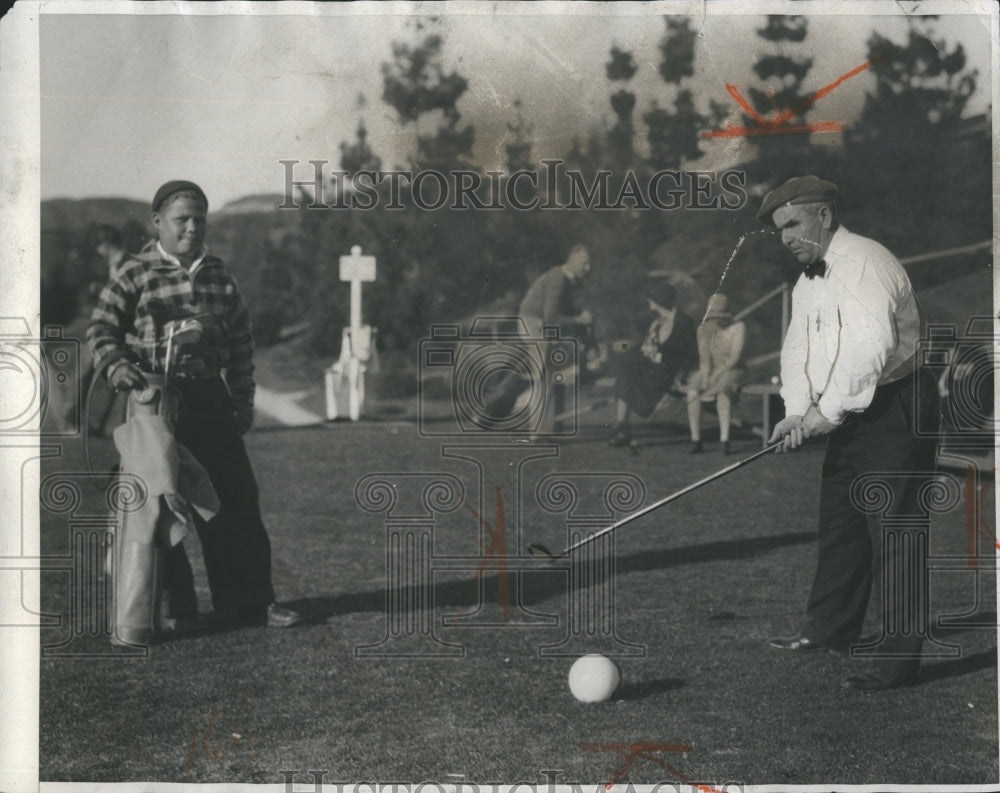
<point>700,587</point>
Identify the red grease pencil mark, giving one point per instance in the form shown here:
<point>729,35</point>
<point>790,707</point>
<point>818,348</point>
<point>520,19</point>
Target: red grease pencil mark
<point>219,750</point>
<point>778,124</point>
<point>497,548</point>
<point>975,504</point>
<point>971,504</point>
<point>630,752</point>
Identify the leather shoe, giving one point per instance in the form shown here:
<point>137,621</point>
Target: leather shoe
<point>870,682</point>
<point>281,617</point>
<point>798,643</point>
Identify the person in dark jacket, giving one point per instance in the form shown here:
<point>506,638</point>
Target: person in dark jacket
<point>650,371</point>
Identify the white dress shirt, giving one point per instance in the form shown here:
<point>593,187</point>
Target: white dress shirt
<point>852,329</point>
<point>174,260</point>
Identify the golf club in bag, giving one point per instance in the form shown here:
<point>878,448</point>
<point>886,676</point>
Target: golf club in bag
<point>540,551</point>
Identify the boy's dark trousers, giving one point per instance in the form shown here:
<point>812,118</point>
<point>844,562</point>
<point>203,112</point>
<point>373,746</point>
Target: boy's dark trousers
<point>235,544</point>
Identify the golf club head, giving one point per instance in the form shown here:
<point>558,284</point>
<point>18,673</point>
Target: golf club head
<point>539,551</point>
<point>185,330</point>
<point>180,331</point>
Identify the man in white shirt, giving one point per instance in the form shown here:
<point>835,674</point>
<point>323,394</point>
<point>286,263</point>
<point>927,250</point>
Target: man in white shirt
<point>848,371</point>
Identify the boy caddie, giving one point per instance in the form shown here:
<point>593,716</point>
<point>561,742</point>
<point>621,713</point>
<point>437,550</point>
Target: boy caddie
<point>172,278</point>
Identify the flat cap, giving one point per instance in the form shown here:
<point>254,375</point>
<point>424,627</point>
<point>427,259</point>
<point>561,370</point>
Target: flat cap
<point>799,190</point>
<point>176,186</point>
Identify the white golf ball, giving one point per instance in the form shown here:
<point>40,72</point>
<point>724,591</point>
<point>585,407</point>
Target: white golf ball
<point>593,678</point>
<point>775,380</point>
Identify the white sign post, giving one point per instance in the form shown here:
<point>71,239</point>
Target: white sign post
<point>345,380</point>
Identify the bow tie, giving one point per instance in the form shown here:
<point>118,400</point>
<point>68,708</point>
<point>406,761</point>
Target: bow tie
<point>816,268</point>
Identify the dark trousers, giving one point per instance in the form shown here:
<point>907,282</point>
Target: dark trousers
<point>235,543</point>
<point>852,549</point>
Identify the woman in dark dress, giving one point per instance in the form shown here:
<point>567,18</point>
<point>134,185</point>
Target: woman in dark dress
<point>650,371</point>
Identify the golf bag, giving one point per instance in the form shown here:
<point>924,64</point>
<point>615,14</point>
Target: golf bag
<point>138,563</point>
<point>175,487</point>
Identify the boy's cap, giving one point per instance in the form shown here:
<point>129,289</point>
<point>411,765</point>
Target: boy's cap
<point>800,190</point>
<point>176,186</point>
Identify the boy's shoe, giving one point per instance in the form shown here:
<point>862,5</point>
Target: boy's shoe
<point>620,436</point>
<point>272,615</point>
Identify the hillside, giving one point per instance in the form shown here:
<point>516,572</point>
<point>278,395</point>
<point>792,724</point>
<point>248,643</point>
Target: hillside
<point>78,214</point>
<point>251,204</point>
<point>69,214</point>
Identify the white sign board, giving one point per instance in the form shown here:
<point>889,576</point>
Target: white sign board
<point>357,267</point>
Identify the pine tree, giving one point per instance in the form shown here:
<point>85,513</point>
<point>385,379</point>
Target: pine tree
<point>673,134</point>
<point>909,150</point>
<point>783,72</point>
<point>358,155</point>
<point>621,138</point>
<point>416,85</point>
<point>519,147</point>
<point>920,86</point>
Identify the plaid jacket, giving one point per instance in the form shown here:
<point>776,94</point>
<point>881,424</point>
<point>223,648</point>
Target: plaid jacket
<point>124,326</point>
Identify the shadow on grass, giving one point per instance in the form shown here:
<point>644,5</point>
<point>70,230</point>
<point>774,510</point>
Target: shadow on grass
<point>648,688</point>
<point>541,585</point>
<point>976,662</point>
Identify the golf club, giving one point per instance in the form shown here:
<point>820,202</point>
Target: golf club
<point>186,330</point>
<point>539,551</point>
